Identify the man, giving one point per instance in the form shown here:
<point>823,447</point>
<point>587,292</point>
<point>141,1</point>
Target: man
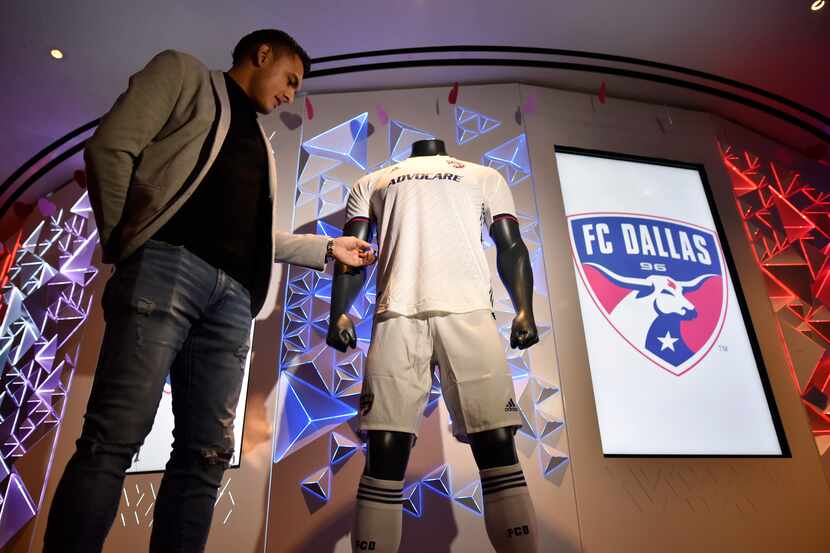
<point>182,183</point>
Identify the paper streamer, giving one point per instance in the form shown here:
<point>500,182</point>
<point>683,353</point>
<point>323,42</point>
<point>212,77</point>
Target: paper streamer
<point>22,210</point>
<point>601,94</point>
<point>46,208</point>
<point>80,177</point>
<point>530,105</point>
<point>453,97</point>
<point>309,109</point>
<point>383,117</point>
<point>292,121</point>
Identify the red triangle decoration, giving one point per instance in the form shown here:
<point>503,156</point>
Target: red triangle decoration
<point>787,224</point>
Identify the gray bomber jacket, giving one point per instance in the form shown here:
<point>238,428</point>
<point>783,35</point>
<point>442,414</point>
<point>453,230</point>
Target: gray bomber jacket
<point>141,164</point>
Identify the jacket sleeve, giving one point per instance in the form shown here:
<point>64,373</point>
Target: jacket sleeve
<point>306,250</point>
<point>135,119</point>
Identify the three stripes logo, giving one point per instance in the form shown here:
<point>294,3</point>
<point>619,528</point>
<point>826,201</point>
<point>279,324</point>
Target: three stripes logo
<point>502,484</point>
<point>495,484</point>
<point>511,406</point>
<point>382,493</point>
<point>376,494</point>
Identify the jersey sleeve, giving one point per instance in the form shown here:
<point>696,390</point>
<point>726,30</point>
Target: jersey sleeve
<point>498,200</point>
<point>358,205</point>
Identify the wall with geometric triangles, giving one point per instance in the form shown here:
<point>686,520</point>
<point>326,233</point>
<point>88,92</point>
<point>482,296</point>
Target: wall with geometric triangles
<point>786,219</point>
<point>44,278</point>
<point>318,456</point>
<point>319,387</point>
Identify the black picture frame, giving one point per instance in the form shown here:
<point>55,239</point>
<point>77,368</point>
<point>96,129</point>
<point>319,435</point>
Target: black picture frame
<point>740,298</point>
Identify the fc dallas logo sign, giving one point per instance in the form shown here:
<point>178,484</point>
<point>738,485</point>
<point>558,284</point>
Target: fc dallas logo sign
<point>659,283</point>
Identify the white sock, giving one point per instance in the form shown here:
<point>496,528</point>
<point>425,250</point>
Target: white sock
<point>508,511</point>
<point>378,517</point>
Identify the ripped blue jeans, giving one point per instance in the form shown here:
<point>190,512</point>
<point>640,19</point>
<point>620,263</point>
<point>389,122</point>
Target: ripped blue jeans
<point>166,311</point>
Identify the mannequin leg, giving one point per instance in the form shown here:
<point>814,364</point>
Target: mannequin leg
<point>379,513</point>
<point>494,448</point>
<point>388,454</point>
<point>508,511</point>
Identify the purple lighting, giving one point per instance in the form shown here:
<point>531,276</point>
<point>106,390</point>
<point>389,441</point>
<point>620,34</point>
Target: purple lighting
<point>44,303</point>
<point>17,508</point>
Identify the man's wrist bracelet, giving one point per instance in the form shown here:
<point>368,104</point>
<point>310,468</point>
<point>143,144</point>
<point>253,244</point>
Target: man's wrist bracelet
<point>330,250</point>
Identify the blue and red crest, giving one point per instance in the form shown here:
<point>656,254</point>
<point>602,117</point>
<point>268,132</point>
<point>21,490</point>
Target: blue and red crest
<point>660,283</point>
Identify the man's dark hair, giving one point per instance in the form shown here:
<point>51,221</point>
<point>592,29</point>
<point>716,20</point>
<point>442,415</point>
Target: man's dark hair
<point>279,40</point>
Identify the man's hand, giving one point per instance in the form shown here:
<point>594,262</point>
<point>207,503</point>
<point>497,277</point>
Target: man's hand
<point>341,335</point>
<point>523,334</point>
<point>353,252</point>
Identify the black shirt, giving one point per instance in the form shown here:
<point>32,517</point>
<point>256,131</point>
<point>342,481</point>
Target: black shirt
<point>227,220</point>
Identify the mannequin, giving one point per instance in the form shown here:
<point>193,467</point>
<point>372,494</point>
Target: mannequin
<point>388,451</point>
<point>432,147</point>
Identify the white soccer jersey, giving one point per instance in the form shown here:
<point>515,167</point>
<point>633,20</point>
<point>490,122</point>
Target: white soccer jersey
<point>428,212</point>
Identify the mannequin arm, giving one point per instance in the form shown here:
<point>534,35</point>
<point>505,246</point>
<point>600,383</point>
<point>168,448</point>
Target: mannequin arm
<point>513,262</point>
<point>348,281</point>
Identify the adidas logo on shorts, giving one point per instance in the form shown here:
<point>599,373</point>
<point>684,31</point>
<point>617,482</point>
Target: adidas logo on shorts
<point>511,406</point>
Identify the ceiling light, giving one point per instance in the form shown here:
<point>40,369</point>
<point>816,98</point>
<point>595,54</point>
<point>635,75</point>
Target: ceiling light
<point>57,54</point>
<point>817,5</point>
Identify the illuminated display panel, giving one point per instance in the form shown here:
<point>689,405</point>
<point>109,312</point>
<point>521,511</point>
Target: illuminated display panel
<point>674,362</point>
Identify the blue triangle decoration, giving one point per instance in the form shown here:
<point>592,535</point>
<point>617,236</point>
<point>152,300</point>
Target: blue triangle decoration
<point>401,137</point>
<point>318,483</point>
<point>469,124</point>
<point>527,410</point>
<point>328,230</point>
<point>552,459</point>
<point>340,448</point>
<point>470,497</point>
<point>307,413</point>
<point>345,143</point>
<point>413,500</point>
<point>435,390</point>
<point>550,426</point>
<point>511,159</point>
<point>439,481</point>
<point>517,360</point>
<point>311,167</point>
<point>82,207</point>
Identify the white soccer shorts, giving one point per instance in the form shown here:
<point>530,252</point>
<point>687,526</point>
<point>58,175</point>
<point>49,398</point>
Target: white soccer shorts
<point>475,381</point>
